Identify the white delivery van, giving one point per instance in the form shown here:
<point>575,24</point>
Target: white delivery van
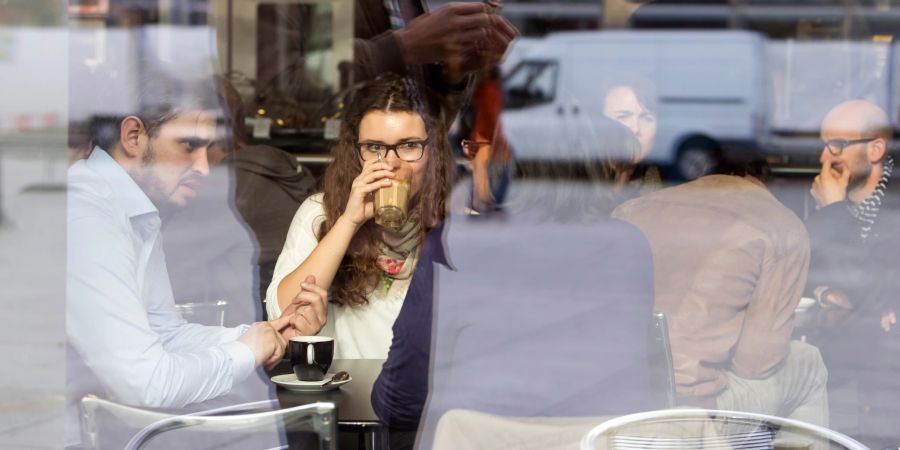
<point>712,94</point>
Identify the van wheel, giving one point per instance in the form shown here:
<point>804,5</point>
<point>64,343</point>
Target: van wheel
<point>696,159</point>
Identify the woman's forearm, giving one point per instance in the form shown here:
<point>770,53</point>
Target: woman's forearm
<point>322,263</point>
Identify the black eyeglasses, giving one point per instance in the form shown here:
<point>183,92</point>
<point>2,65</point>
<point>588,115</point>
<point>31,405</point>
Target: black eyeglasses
<point>836,146</point>
<point>409,151</point>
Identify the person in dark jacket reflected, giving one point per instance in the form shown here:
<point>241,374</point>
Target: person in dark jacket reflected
<point>545,313</point>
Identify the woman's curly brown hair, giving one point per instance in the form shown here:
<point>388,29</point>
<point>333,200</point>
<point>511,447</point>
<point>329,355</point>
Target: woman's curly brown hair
<point>358,275</point>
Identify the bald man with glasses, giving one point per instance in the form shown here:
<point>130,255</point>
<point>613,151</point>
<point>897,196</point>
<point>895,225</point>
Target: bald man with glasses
<point>855,241</point>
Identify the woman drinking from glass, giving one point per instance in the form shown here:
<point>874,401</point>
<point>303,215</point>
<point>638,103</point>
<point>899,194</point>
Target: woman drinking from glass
<point>333,241</point>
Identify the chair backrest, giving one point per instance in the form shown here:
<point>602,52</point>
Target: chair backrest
<point>659,353</point>
<point>711,429</point>
<point>105,424</point>
<point>306,426</point>
<point>204,313</point>
<point>256,425</point>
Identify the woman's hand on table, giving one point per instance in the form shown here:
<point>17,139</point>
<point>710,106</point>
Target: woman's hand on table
<point>307,312</point>
<point>361,206</point>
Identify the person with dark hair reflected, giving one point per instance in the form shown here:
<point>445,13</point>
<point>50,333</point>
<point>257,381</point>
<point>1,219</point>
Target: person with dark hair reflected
<point>211,254</point>
<point>632,102</point>
<point>547,309</point>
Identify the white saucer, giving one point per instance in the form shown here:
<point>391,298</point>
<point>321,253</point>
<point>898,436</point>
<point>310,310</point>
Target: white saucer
<point>290,382</point>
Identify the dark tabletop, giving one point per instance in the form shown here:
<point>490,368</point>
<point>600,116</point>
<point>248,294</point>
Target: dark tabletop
<point>353,399</point>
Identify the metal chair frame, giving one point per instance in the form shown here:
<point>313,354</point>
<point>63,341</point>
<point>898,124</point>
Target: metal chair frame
<point>219,307</point>
<point>661,366</point>
<point>673,415</point>
<point>322,415</point>
<point>90,404</point>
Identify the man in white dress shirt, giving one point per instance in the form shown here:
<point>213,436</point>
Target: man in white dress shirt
<point>126,340</point>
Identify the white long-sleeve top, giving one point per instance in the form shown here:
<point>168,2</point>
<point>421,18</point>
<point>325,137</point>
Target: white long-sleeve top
<point>363,331</point>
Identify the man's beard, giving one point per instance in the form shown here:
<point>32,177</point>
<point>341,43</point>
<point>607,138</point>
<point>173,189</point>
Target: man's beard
<point>149,156</point>
<point>149,181</point>
<point>860,176</point>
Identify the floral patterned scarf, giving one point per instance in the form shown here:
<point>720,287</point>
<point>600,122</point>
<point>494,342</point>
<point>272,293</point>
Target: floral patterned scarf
<point>400,250</point>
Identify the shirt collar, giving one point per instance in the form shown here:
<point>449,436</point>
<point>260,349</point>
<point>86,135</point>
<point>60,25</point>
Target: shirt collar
<point>124,189</point>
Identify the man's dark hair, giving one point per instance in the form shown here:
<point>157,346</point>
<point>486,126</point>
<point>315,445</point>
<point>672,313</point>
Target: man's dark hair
<point>757,167</point>
<point>159,98</point>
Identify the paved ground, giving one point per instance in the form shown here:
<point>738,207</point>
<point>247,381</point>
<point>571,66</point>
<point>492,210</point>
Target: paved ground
<point>32,293</point>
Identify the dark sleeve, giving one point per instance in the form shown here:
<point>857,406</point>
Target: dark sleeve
<point>376,49</point>
<point>452,96</point>
<point>829,223</point>
<point>381,54</point>
<point>832,239</point>
<point>400,391</point>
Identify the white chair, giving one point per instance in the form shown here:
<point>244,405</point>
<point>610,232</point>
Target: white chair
<point>711,429</point>
<point>106,424</point>
<point>204,313</point>
<point>256,425</point>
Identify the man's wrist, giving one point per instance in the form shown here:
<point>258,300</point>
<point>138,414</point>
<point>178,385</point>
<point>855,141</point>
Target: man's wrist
<point>832,200</point>
<point>403,43</point>
<point>825,202</point>
<point>243,360</point>
<point>241,329</point>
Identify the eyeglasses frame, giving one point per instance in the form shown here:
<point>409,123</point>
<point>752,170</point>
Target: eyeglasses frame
<point>393,147</point>
<point>844,143</point>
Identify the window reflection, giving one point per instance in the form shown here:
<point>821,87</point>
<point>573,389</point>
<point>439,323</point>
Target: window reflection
<point>630,102</point>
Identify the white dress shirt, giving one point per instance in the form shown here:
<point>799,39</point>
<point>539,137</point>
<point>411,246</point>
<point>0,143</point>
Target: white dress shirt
<point>121,321</point>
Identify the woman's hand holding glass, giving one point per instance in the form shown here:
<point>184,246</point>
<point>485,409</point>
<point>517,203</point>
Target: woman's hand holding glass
<point>375,175</point>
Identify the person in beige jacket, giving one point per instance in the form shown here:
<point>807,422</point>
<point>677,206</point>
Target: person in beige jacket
<point>730,264</point>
